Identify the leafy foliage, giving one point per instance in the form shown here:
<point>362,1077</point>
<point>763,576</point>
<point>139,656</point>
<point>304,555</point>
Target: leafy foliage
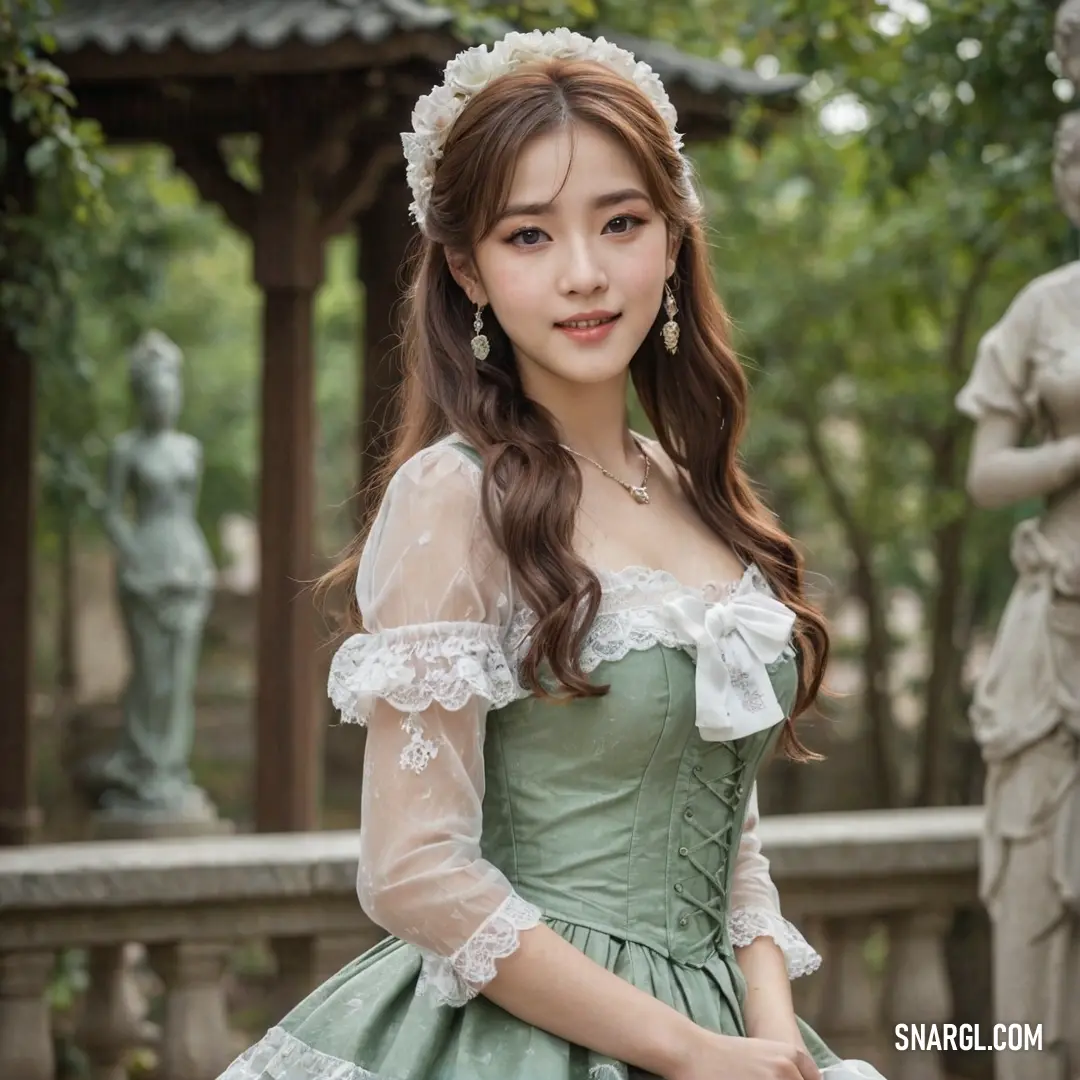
<point>914,198</point>
<point>42,240</point>
<point>60,154</point>
<point>969,82</point>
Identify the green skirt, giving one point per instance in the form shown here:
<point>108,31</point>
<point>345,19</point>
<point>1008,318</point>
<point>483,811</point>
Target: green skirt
<point>367,1023</point>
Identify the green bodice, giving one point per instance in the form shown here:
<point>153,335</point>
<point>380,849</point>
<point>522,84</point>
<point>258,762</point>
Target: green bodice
<point>613,812</point>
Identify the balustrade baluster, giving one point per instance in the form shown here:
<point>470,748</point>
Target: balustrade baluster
<point>917,988</point>
<point>26,1047</point>
<point>850,1004</point>
<point>196,1043</point>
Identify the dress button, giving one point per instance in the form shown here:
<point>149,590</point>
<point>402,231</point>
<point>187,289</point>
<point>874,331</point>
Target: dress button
<point>688,814</point>
<point>684,921</point>
<point>684,852</point>
<point>696,770</point>
<point>678,888</point>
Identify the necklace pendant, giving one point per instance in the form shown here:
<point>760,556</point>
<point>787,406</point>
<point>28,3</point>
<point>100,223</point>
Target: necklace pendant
<point>640,495</point>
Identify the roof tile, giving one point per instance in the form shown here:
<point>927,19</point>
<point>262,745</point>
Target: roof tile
<point>213,25</point>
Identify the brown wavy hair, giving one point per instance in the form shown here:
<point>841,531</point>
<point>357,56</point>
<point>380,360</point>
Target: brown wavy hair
<point>696,402</point>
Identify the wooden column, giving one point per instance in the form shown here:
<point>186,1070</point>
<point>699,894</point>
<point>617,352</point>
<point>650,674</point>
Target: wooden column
<point>383,232</point>
<point>288,267</point>
<point>19,818</point>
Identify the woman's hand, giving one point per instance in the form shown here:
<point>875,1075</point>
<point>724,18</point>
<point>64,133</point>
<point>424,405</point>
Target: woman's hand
<point>728,1057</point>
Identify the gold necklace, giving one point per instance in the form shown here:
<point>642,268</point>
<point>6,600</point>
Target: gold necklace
<point>639,493</point>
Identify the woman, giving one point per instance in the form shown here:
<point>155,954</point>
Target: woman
<point>558,824</point>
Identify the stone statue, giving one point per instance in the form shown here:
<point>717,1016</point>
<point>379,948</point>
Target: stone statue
<point>165,579</point>
<point>1024,396</point>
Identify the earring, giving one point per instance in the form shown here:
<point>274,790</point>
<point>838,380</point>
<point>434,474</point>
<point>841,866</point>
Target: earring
<point>670,330</point>
<point>481,347</point>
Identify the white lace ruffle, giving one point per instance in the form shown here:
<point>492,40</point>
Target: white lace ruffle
<point>281,1056</point>
<point>448,663</point>
<point>415,667</point>
<point>458,979</point>
<point>629,618</point>
<point>746,924</point>
<point>632,617</point>
<point>284,1057</point>
<point>634,585</point>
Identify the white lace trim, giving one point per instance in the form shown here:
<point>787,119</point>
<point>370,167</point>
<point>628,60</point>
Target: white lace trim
<point>458,979</point>
<point>414,667</point>
<point>631,616</point>
<point>281,1056</point>
<point>633,584</point>
<point>284,1057</point>
<point>746,924</point>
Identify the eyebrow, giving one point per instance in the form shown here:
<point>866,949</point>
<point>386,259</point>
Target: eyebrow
<point>611,198</point>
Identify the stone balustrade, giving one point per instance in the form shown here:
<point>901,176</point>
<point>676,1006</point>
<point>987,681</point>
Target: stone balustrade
<point>847,879</point>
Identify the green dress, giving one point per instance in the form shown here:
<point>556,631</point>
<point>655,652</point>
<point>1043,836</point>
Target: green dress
<point>610,819</point>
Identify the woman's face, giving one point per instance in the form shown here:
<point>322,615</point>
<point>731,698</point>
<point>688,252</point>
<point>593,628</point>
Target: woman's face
<point>580,242</point>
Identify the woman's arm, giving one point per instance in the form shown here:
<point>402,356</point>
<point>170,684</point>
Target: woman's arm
<point>769,1011</point>
<point>768,949</point>
<point>552,985</point>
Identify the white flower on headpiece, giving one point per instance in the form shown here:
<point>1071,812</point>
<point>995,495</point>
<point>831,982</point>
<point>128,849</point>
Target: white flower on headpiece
<point>619,60</point>
<point>565,43</point>
<point>474,69</point>
<point>434,113</point>
<point>470,71</point>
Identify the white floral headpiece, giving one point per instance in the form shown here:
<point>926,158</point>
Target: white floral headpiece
<point>470,71</point>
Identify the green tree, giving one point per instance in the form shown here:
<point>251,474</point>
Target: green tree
<point>913,231</point>
<point>857,354</point>
<point>970,82</point>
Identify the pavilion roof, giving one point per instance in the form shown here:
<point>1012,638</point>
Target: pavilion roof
<point>203,27</point>
<point>212,25</point>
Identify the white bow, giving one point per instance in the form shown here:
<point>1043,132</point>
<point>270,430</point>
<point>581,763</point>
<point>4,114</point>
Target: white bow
<point>735,639</point>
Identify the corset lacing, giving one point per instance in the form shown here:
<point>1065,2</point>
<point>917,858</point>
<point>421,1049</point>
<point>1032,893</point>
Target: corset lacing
<point>730,790</point>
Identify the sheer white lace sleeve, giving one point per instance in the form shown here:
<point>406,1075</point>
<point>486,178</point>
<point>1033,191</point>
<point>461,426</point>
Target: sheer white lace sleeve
<point>755,903</point>
<point>434,595</point>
